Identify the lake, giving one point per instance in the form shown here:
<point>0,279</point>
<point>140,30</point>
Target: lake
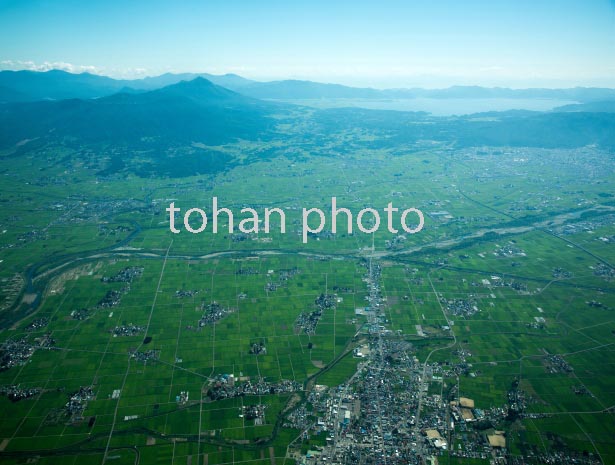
<point>438,107</point>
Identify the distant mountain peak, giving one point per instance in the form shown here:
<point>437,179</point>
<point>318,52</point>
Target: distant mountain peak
<point>201,89</point>
<point>197,81</point>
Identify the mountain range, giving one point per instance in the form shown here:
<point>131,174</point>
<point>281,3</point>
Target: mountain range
<point>56,85</point>
<point>196,110</point>
<point>164,127</point>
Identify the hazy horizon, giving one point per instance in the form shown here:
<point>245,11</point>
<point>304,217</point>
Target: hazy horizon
<point>44,68</point>
<point>393,44</point>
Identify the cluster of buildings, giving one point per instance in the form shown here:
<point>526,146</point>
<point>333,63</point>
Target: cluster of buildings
<point>112,298</point>
<point>375,416</point>
<point>509,250</point>
<point>557,364</point>
<point>258,348</point>
<point>286,274</point>
<point>396,410</point>
<point>515,285</point>
<point>212,312</point>
<point>388,411</point>
<point>180,294</point>
<point>461,307</point>
<point>576,227</point>
<point>15,352</point>
<point>38,324</point>
<point>80,314</point>
<point>299,418</point>
<point>77,402</point>
<point>554,457</point>
<point>254,412</point>
<point>17,393</point>
<point>307,321</point>
<point>227,386</point>
<point>183,397</point>
<point>127,275</point>
<point>283,276</point>
<point>272,286</point>
<point>128,330</point>
<point>247,271</point>
<point>560,273</point>
<point>145,356</point>
<point>604,271</point>
<point>396,243</point>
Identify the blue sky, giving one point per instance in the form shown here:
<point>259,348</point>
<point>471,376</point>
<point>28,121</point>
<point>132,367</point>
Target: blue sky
<point>404,43</point>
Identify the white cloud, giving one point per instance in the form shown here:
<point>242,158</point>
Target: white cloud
<point>118,73</point>
<point>127,73</point>
<point>48,65</point>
